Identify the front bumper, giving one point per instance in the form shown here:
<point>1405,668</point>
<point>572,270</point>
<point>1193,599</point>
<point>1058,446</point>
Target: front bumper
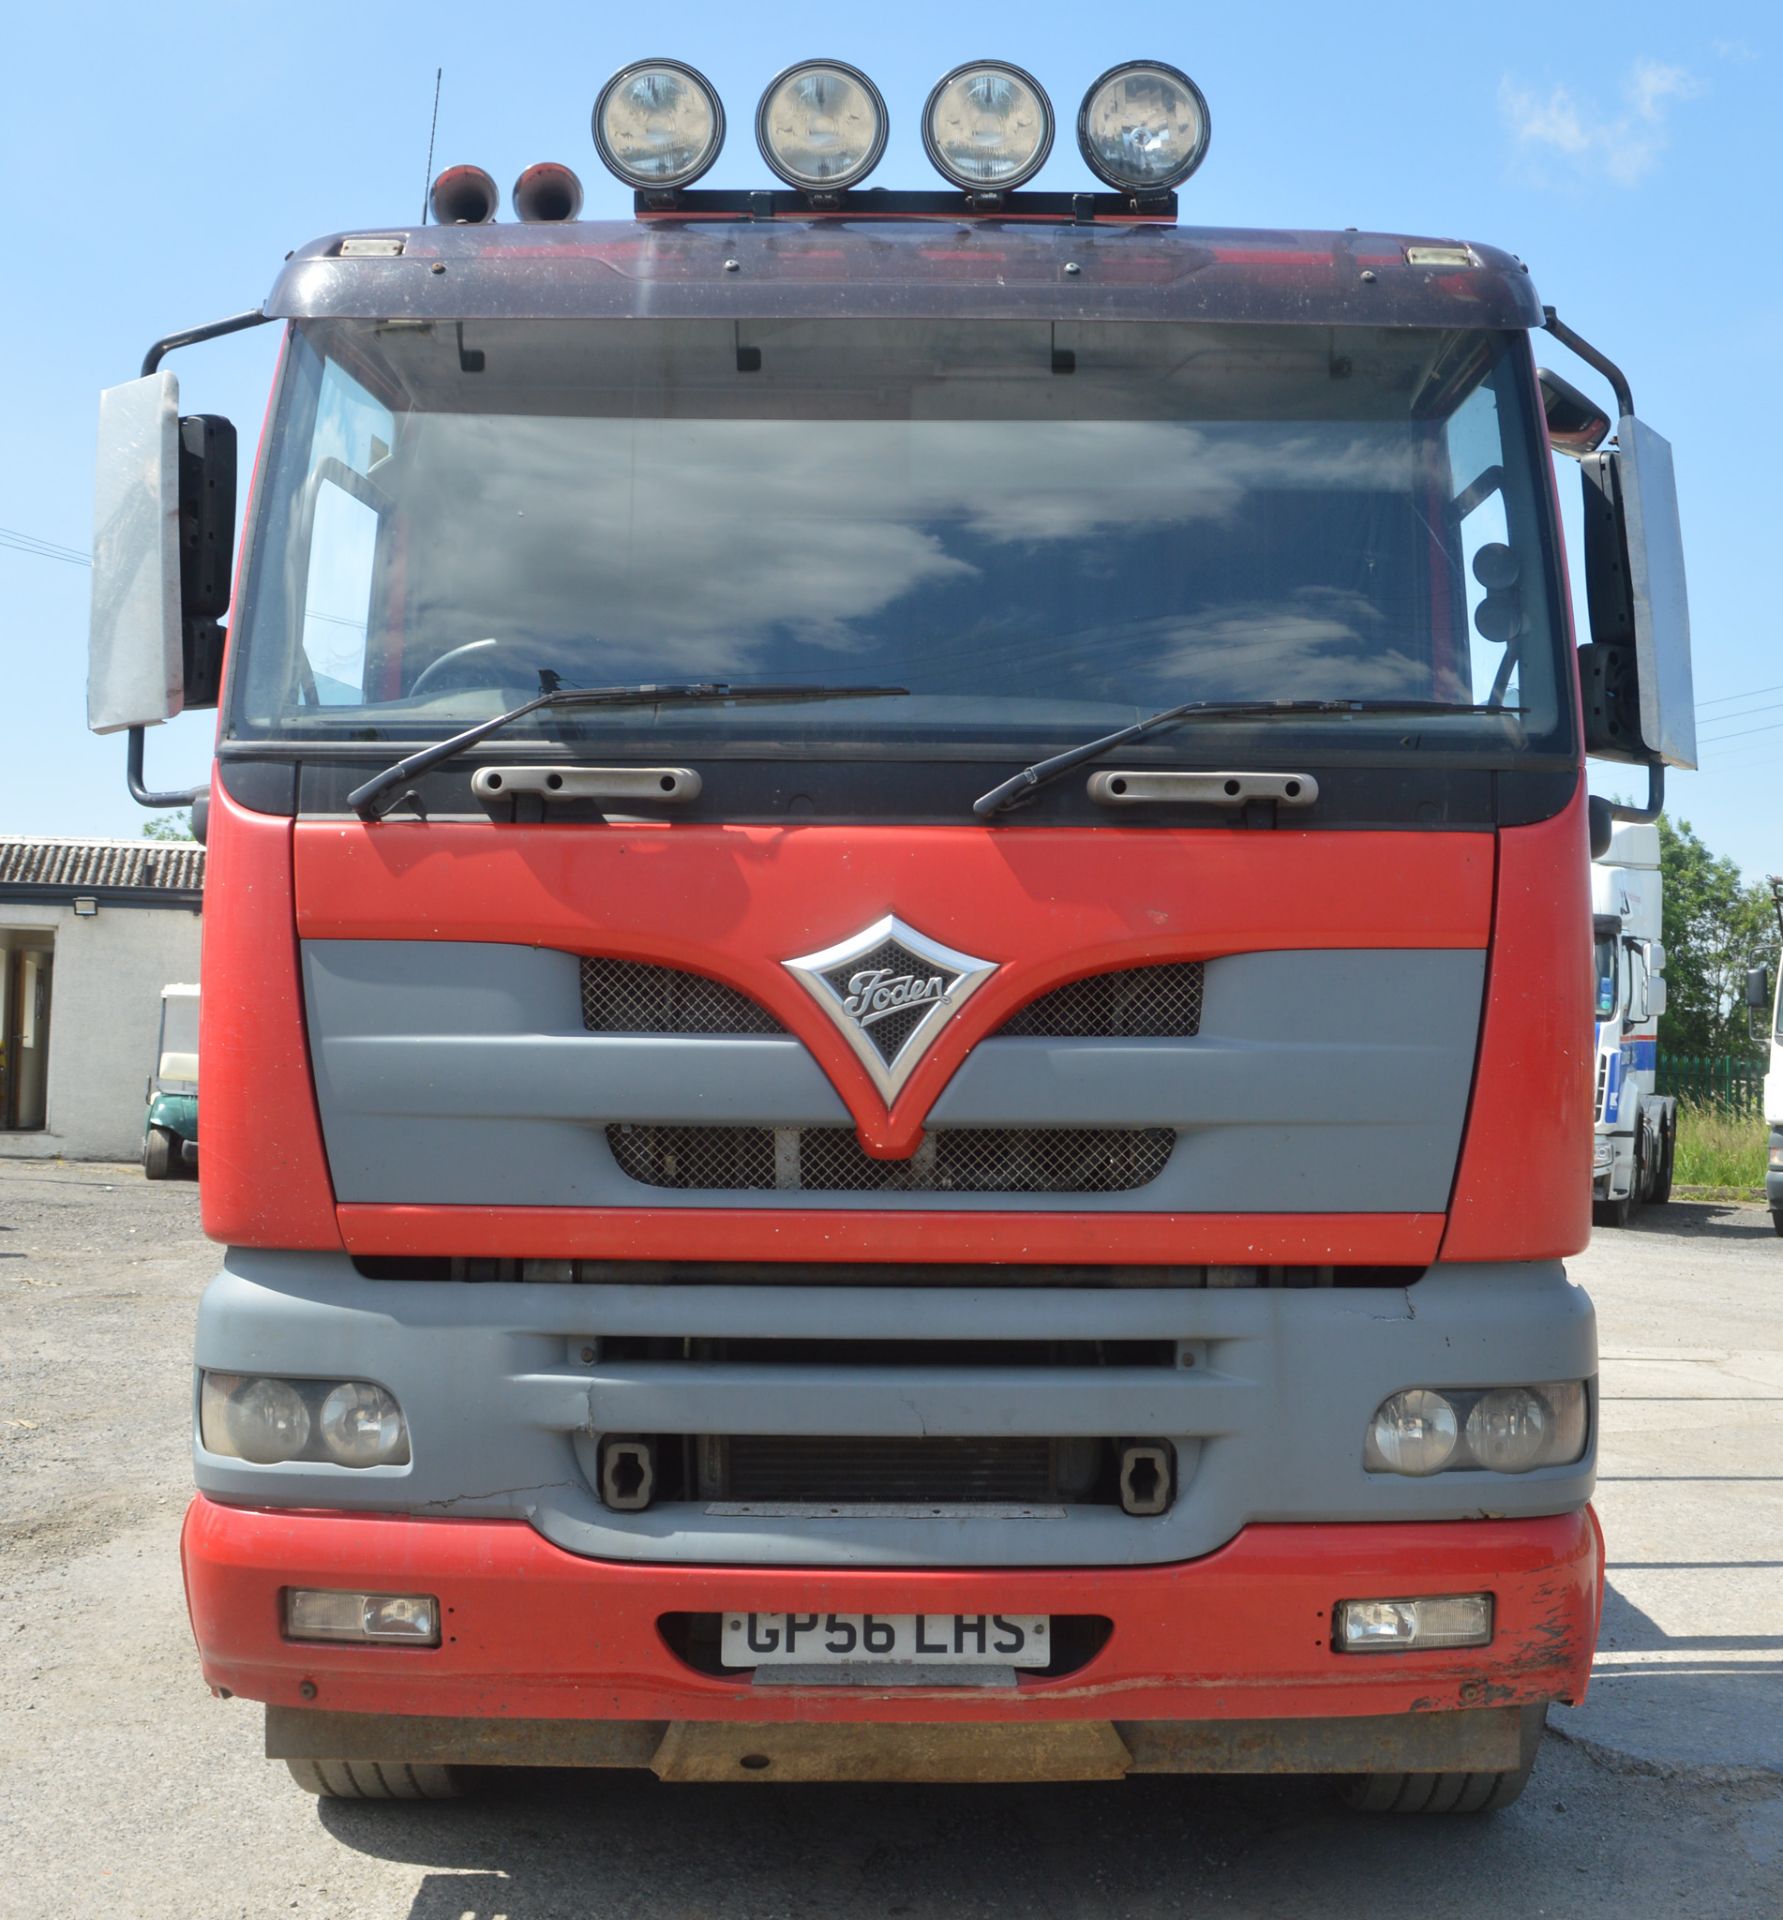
<point>532,1632</point>
<point>1773,1178</point>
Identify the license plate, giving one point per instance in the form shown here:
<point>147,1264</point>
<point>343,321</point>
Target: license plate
<point>899,1639</point>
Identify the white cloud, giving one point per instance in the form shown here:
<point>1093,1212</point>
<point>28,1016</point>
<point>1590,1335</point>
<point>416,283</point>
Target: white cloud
<point>1593,144</point>
<point>1740,50</point>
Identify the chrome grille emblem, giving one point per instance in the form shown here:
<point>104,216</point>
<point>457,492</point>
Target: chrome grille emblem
<point>890,990</point>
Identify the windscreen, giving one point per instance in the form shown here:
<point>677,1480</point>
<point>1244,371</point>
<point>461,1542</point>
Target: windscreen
<point>1038,532</point>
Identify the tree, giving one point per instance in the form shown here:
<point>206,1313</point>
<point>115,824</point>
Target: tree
<point>1714,928</point>
<point>170,827</point>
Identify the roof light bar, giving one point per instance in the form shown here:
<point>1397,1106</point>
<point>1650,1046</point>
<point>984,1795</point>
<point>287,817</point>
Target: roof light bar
<point>1143,127</point>
<point>988,126</point>
<point>822,126</point>
<point>658,125</point>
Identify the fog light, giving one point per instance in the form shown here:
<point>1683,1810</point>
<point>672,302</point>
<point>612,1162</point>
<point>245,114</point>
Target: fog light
<point>658,125</point>
<point>1413,1432</point>
<point>1143,127</point>
<point>988,127</point>
<point>1777,1156</point>
<point>821,126</point>
<point>1398,1626</point>
<point>316,1613</point>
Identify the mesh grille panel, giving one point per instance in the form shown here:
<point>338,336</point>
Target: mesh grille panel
<point>628,996</point>
<point>1149,1003</point>
<point>832,1160</point>
<point>765,1467</point>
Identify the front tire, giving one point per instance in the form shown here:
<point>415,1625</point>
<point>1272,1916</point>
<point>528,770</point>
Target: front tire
<point>1668,1153</point>
<point>1777,1218</point>
<point>1612,1213</point>
<point>376,1780</point>
<point>160,1153</point>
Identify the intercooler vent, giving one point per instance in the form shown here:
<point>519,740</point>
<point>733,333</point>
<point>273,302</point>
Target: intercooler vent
<point>832,1160</point>
<point>1138,1003</point>
<point>629,996</point>
<point>1603,1083</point>
<point>894,1472</point>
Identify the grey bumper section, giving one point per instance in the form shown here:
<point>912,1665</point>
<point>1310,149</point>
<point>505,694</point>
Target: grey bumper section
<point>1773,1180</point>
<point>1266,1404</point>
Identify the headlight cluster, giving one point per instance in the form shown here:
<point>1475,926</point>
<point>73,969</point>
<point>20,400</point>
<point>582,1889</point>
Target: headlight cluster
<point>1423,1430</point>
<point>822,126</point>
<point>256,1417</point>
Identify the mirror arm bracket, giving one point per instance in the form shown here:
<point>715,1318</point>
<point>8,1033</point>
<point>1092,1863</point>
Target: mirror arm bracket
<point>143,796</point>
<point>1644,816</point>
<point>1592,358</point>
<point>236,323</point>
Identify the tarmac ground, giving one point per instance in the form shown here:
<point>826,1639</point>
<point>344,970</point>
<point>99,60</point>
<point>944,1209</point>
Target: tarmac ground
<point>125,1789</point>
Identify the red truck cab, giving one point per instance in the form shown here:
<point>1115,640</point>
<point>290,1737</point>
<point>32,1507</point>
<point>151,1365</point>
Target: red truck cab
<point>896,971</point>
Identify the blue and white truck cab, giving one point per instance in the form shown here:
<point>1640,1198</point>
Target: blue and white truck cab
<point>1637,1128</point>
<point>1764,1001</point>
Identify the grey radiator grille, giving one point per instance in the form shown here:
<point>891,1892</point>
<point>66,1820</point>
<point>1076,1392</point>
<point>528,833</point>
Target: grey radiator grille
<point>1150,1003</point>
<point>897,1471</point>
<point>832,1160</point>
<point>630,996</point>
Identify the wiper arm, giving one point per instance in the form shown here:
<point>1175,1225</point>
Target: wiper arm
<point>364,799</point>
<point>1042,772</point>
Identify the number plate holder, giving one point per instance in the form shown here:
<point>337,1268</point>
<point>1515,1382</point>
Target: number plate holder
<point>894,1639</point>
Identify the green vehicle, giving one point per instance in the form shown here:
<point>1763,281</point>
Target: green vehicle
<point>170,1131</point>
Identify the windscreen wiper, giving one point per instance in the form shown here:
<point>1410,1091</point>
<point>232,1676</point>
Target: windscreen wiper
<point>364,799</point>
<point>1020,785</point>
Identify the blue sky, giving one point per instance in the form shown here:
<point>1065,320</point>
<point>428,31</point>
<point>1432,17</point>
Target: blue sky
<point>161,162</point>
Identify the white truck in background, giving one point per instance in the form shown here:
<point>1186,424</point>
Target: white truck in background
<point>1764,1000</point>
<point>1637,1128</point>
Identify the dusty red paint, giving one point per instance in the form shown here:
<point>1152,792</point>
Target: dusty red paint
<point>535,1632</point>
<point>1523,1184</point>
<point>738,1233</point>
<point>265,1178</point>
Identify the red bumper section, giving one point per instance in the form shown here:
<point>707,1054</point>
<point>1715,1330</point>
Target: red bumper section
<point>530,1631</point>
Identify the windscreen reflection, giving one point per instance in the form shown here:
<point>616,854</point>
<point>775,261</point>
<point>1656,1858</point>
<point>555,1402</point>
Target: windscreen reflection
<point>1187,513</point>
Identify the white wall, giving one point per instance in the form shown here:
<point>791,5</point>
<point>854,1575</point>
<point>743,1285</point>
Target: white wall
<point>105,1011</point>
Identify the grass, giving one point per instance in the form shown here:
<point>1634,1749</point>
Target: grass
<point>1717,1148</point>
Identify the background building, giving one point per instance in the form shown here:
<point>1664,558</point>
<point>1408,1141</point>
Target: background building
<point>90,932</point>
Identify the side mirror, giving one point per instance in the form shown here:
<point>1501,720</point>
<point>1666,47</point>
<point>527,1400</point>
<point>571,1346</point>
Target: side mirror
<point>1758,989</point>
<point>1656,997</point>
<point>1640,702</point>
<point>134,665</point>
<point>1577,427</point>
<point>1656,956</point>
<point>163,529</point>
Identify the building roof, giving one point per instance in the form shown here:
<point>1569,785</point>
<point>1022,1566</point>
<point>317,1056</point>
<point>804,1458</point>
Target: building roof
<point>54,865</point>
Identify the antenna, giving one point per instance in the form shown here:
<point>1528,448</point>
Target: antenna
<point>427,183</point>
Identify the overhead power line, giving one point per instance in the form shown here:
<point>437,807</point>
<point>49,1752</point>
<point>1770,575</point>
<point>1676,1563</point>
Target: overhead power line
<point>21,542</point>
<point>1724,699</point>
<point>1773,726</point>
<point>1770,706</point>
